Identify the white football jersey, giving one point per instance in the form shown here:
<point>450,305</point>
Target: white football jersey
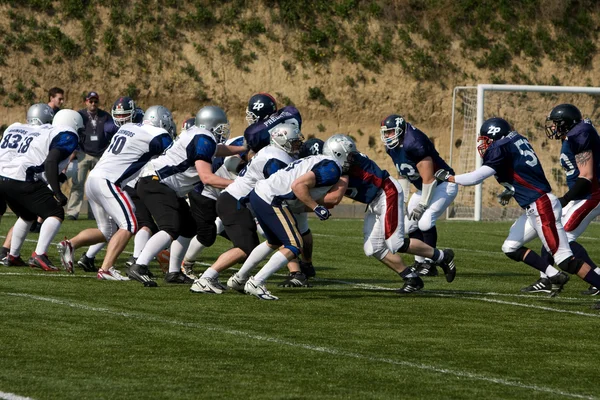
<point>278,187</point>
<point>213,192</point>
<point>32,146</point>
<point>6,150</point>
<point>177,167</point>
<point>129,151</point>
<point>266,162</point>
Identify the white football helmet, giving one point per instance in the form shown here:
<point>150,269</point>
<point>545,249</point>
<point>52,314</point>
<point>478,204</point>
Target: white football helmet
<point>287,137</point>
<point>40,114</point>
<point>161,117</point>
<point>340,147</point>
<point>72,118</point>
<point>214,119</point>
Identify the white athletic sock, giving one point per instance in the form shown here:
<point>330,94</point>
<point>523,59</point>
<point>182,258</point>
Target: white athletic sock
<point>419,259</point>
<point>195,248</point>
<point>20,231</point>
<point>140,240</point>
<point>551,271</point>
<point>94,249</point>
<point>274,264</point>
<point>210,273</point>
<point>597,270</point>
<point>259,253</point>
<point>158,242</point>
<point>178,248</point>
<point>48,230</point>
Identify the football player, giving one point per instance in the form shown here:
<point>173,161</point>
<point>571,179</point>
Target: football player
<point>130,149</point>
<point>164,184</point>
<point>384,222</point>
<point>510,157</point>
<point>580,159</point>
<point>416,161</point>
<point>274,201</point>
<point>237,219</point>
<point>30,180</point>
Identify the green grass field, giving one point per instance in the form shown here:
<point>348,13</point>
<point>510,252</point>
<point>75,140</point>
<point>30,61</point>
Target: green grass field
<point>349,336</point>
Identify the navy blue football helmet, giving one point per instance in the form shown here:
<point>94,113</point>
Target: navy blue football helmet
<point>123,111</point>
<point>491,130</point>
<point>311,147</point>
<point>260,106</point>
<point>561,120</point>
<point>393,128</point>
<point>187,124</point>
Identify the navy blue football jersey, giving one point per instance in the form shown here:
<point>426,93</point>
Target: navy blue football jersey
<point>258,135</point>
<point>365,179</point>
<point>516,164</point>
<point>583,137</point>
<point>415,147</point>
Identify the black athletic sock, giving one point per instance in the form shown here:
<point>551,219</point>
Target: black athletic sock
<point>534,260</point>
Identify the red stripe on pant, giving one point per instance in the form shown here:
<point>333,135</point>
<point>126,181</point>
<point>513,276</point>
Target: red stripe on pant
<point>544,208</point>
<point>391,207</point>
<point>582,212</point>
<point>129,207</point>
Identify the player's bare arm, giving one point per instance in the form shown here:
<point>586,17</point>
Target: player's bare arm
<point>224,150</point>
<point>335,195</point>
<point>585,163</point>
<point>208,178</point>
<point>301,188</point>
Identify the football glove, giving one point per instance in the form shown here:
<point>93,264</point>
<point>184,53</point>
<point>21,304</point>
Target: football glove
<point>504,197</point>
<point>322,212</point>
<point>442,175</point>
<point>417,212</point>
<point>61,199</point>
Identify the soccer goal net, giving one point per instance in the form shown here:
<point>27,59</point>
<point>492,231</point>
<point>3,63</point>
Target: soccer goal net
<point>526,108</point>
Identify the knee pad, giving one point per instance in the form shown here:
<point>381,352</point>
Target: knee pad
<point>516,255</point>
<point>571,265</point>
<point>405,246</point>
<point>293,249</point>
<point>379,253</point>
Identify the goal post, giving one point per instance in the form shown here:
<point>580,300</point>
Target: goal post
<point>473,101</point>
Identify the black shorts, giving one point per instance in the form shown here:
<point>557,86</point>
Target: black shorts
<point>204,210</point>
<point>171,213</point>
<point>238,222</point>
<point>142,214</point>
<point>30,199</point>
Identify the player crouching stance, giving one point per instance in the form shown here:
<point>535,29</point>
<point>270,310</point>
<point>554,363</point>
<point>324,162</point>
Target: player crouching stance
<point>509,156</point>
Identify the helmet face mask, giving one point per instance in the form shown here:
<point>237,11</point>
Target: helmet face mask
<point>161,117</point>
<point>260,106</point>
<point>214,119</point>
<point>123,111</point>
<point>340,147</point>
<point>561,120</point>
<point>40,114</point>
<point>392,130</point>
<point>288,138</point>
<point>491,130</point>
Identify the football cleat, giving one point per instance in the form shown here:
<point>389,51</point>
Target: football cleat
<point>139,273</point>
<point>12,261</point>
<point>591,291</point>
<point>42,261</point>
<point>447,265</point>
<point>558,283</point>
<point>112,274</point>
<point>258,289</point>
<point>425,269</point>
<point>130,261</point>
<point>87,264</point>
<point>187,268</point>
<point>65,250</point>
<point>307,269</point>
<point>235,282</point>
<point>207,285</point>
<point>178,277</point>
<point>411,285</point>
<point>295,279</point>
<point>3,255</point>
<point>542,285</point>
<point>163,260</point>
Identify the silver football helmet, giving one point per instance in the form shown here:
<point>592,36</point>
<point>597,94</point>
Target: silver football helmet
<point>72,118</point>
<point>40,114</point>
<point>214,119</point>
<point>287,137</point>
<point>161,117</point>
<point>340,147</point>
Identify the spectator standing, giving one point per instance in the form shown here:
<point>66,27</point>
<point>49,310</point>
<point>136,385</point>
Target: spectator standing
<point>56,98</point>
<point>93,142</point>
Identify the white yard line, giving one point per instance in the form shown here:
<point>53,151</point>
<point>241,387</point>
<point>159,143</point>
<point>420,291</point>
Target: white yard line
<point>319,349</point>
<point>12,396</point>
